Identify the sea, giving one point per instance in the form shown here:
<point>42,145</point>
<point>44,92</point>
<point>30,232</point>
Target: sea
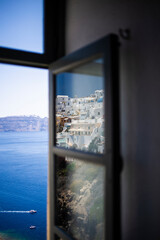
<point>23,185</point>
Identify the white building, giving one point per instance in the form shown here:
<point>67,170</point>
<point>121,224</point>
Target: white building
<point>63,103</point>
<point>87,121</point>
<point>99,93</point>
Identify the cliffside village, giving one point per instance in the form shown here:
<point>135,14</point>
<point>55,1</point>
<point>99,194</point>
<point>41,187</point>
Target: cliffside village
<point>23,124</point>
<point>80,122</point>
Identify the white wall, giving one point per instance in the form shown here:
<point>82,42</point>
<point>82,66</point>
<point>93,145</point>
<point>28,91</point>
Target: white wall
<point>89,20</point>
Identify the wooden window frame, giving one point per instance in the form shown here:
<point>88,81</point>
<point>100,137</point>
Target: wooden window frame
<point>107,48</point>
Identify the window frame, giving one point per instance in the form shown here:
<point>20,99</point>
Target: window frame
<point>54,44</point>
<point>107,48</point>
<point>53,40</point>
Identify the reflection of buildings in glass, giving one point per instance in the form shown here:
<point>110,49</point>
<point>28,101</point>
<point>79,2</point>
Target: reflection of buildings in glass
<point>80,122</point>
<point>62,103</point>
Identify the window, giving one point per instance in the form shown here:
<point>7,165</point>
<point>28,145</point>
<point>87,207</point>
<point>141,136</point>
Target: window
<point>104,161</point>
<point>83,176</point>
<point>21,25</point>
<point>51,45</point>
<point>53,37</point>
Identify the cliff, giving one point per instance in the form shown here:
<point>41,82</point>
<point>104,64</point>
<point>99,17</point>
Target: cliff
<point>23,124</point>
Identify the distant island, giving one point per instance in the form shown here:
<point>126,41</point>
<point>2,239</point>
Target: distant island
<point>23,124</point>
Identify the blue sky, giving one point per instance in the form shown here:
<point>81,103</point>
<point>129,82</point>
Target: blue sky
<point>21,24</point>
<point>79,85</point>
<point>23,90</point>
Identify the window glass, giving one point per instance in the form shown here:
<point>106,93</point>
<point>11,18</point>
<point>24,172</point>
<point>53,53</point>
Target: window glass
<point>21,25</point>
<point>80,108</point>
<point>80,198</point>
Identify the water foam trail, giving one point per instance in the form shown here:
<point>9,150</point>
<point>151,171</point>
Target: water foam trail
<point>14,212</point>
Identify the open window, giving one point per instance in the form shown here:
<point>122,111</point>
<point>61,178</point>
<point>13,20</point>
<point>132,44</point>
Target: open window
<point>83,191</point>
<point>83,183</point>
<point>52,35</point>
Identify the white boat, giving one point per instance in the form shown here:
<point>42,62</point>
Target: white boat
<point>32,227</point>
<point>32,211</point>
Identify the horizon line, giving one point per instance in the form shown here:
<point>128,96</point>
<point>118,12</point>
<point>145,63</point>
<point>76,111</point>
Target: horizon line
<point>32,115</point>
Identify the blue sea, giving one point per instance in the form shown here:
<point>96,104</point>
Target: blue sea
<point>23,184</point>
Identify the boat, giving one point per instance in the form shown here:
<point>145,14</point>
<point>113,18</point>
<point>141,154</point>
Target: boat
<point>32,211</point>
<point>32,227</point>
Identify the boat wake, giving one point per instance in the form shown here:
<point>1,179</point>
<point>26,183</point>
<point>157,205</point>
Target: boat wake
<point>14,212</point>
<point>31,211</point>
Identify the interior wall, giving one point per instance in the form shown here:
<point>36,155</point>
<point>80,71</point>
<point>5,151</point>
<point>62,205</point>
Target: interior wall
<point>89,20</point>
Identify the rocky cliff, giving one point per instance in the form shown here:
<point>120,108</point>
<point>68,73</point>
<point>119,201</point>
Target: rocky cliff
<point>23,124</point>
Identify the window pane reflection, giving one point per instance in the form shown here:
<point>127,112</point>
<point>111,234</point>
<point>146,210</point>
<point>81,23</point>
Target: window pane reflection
<point>80,108</point>
<point>80,199</point>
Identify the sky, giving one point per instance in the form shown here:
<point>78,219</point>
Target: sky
<point>23,90</point>
<point>21,24</point>
<point>80,85</point>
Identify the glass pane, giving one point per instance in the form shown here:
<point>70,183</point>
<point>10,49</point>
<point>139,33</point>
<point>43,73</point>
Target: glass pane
<point>80,108</point>
<point>21,25</point>
<point>80,198</point>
